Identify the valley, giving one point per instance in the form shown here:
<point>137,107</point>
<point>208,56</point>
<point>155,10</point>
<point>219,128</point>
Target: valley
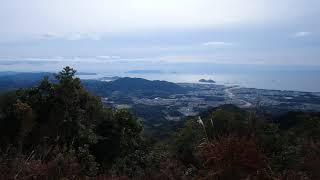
<point>159,109</point>
<point>158,103</point>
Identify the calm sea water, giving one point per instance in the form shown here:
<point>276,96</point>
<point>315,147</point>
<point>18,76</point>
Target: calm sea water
<point>298,78</point>
<point>285,81</point>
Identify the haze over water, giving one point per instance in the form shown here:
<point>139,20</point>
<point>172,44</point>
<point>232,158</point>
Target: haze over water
<point>266,44</point>
<point>297,78</point>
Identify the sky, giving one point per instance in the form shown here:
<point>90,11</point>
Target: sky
<point>254,32</point>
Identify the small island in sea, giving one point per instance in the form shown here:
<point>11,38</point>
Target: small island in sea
<point>85,73</point>
<point>144,72</point>
<point>113,78</point>
<point>207,81</point>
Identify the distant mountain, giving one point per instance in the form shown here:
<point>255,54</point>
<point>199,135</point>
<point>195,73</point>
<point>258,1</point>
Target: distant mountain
<point>14,80</point>
<point>125,86</point>
<point>109,78</point>
<point>85,73</point>
<point>6,73</point>
<point>145,71</point>
<point>138,86</point>
<point>207,81</point>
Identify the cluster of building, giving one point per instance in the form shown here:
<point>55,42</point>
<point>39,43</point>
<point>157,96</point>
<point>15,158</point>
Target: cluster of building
<point>203,96</point>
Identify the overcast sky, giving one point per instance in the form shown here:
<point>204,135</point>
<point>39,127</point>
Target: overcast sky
<point>210,31</point>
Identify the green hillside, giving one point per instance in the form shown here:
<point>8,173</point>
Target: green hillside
<point>58,130</point>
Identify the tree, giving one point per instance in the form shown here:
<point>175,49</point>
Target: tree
<point>233,157</point>
<point>64,115</point>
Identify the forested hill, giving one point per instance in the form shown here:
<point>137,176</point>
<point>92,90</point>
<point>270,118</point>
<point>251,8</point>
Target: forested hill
<point>12,81</point>
<point>58,130</point>
<point>133,85</point>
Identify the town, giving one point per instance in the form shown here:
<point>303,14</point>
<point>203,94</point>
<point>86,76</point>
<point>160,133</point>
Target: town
<point>202,96</point>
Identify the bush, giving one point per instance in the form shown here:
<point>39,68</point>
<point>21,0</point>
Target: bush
<point>233,157</point>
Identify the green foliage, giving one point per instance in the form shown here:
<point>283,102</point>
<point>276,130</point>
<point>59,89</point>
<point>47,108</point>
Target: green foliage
<point>290,147</point>
<point>233,157</point>
<point>64,114</point>
<point>226,120</point>
<point>57,129</point>
<point>184,142</point>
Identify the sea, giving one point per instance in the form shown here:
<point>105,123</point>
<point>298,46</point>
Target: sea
<point>263,76</point>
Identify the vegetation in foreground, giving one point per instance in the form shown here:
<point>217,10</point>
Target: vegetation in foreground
<point>60,131</point>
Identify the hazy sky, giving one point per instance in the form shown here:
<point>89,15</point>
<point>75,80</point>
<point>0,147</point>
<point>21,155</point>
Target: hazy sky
<point>162,31</point>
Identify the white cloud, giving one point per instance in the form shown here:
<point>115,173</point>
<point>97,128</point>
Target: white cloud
<point>208,59</point>
<point>74,37</point>
<point>83,16</point>
<point>50,35</point>
<point>217,43</point>
<point>71,36</point>
<point>302,34</point>
<point>104,57</point>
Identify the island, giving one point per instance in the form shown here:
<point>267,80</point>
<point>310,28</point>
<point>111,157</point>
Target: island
<point>113,78</point>
<point>144,72</point>
<point>85,73</point>
<point>207,81</point>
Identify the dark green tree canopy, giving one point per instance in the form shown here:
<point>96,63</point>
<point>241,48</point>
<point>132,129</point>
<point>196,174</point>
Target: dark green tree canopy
<point>64,113</point>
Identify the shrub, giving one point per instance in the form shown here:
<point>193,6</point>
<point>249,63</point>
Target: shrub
<point>232,157</point>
